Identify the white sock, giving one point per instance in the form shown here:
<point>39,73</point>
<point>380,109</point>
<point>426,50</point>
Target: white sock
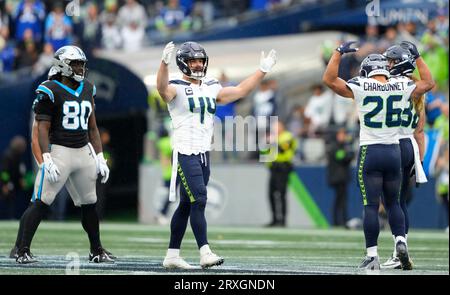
<point>406,239</point>
<point>205,250</point>
<point>400,239</point>
<point>395,249</point>
<point>173,252</point>
<point>372,251</point>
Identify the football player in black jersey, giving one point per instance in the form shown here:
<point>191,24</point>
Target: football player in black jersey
<point>71,151</point>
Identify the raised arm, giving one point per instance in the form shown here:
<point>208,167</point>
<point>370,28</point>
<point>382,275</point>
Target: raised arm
<point>330,77</point>
<point>426,82</point>
<point>232,93</point>
<point>419,134</point>
<point>166,91</point>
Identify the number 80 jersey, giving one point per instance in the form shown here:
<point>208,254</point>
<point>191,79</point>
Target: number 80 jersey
<point>192,112</point>
<point>68,111</point>
<point>382,108</point>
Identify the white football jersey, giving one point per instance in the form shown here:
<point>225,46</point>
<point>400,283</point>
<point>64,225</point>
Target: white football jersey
<point>381,107</point>
<point>192,111</point>
<point>410,119</point>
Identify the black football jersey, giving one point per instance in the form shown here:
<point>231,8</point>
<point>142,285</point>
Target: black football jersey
<point>68,111</point>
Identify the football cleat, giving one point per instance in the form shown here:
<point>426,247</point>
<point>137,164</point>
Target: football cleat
<point>25,257</point>
<point>176,262</point>
<point>392,263</point>
<point>370,263</point>
<point>402,253</point>
<point>210,259</point>
<point>101,256</point>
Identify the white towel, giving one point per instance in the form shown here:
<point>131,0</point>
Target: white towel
<point>173,177</point>
<point>420,173</point>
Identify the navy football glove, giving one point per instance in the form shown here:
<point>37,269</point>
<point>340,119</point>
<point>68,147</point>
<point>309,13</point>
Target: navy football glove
<point>346,47</point>
<point>412,48</point>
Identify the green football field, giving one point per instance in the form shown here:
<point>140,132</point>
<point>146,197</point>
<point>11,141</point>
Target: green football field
<point>246,250</point>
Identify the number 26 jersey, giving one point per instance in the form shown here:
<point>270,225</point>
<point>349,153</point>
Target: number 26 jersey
<point>381,108</point>
<point>192,112</point>
<point>68,111</point>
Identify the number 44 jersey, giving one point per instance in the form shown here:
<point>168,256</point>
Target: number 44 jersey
<point>68,111</point>
<point>383,108</point>
<point>192,111</point>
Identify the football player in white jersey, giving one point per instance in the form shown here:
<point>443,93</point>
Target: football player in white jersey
<point>402,62</point>
<point>192,104</point>
<point>380,101</point>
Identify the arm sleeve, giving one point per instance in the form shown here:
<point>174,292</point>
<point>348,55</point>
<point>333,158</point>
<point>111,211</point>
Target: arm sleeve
<point>43,107</point>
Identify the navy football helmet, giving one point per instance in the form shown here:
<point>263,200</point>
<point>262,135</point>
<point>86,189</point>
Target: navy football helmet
<point>404,63</point>
<point>374,64</point>
<point>189,51</point>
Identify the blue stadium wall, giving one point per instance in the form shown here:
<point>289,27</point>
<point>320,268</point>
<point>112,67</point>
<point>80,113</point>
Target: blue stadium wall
<point>424,210</point>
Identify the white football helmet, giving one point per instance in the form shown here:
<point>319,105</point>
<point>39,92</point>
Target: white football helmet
<point>62,59</point>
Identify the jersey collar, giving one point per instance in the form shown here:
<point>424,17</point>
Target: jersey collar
<point>70,90</point>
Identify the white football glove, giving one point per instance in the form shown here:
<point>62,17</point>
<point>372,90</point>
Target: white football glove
<point>52,171</point>
<point>102,167</point>
<point>266,64</point>
<point>167,53</point>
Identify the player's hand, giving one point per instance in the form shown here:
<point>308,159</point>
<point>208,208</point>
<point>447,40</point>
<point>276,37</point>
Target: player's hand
<point>267,62</point>
<point>52,171</point>
<point>346,47</point>
<point>167,53</point>
<point>102,167</point>
<point>412,48</point>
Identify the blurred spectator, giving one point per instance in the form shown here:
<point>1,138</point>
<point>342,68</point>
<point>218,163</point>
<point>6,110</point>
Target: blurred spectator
<point>389,39</point>
<point>111,38</point>
<point>27,51</point>
<point>102,188</point>
<point>298,125</point>
<point>441,123</point>
<point>340,155</point>
<point>13,178</point>
<point>407,32</point>
<point>223,111</point>
<point>234,7</point>
<point>433,102</point>
<point>265,99</point>
<point>7,51</point>
<point>91,30</point>
<point>58,27</point>
<point>197,17</point>
<point>280,169</point>
<point>341,110</point>
<point>29,14</point>
<point>318,110</point>
<point>45,60</point>
<point>132,20</point>
<point>435,54</point>
<point>165,160</point>
<point>172,19</point>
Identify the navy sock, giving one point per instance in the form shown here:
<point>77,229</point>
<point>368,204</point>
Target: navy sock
<point>371,225</point>
<point>178,224</point>
<point>198,222</point>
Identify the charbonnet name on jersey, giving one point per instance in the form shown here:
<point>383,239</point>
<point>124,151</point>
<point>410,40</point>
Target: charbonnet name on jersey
<point>391,86</point>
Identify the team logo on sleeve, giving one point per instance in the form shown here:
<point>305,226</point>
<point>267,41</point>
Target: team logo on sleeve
<point>188,91</point>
